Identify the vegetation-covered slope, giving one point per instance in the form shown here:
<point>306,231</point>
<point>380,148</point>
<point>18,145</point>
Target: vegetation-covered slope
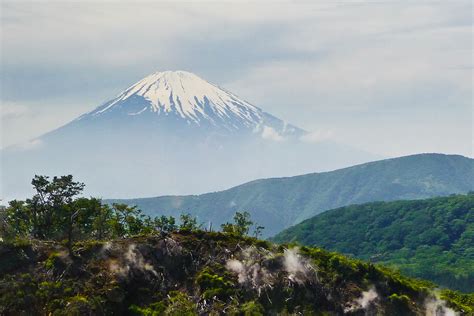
<point>192,273</point>
<point>61,254</point>
<point>431,239</point>
<point>282,202</point>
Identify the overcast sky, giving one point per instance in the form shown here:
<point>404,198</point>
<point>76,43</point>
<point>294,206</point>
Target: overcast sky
<point>392,78</point>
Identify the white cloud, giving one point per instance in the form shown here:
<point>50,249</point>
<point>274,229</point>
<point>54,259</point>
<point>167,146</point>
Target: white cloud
<point>11,110</point>
<point>271,134</point>
<point>317,136</point>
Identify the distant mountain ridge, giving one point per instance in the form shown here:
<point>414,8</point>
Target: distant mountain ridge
<point>281,202</point>
<point>431,239</point>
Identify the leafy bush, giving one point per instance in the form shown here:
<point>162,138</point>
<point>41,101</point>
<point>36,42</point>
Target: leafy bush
<point>214,285</point>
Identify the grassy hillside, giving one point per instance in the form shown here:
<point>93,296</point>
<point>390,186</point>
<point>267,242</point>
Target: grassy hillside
<point>199,273</point>
<point>431,239</point>
<point>280,203</point>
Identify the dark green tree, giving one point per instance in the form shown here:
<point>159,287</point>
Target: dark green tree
<point>126,221</point>
<point>93,218</point>
<point>241,225</point>
<point>165,224</point>
<point>188,223</point>
<point>16,220</point>
<point>52,212</point>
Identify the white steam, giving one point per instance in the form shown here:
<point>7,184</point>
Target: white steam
<point>237,267</point>
<point>364,301</point>
<point>132,259</point>
<point>297,267</point>
<point>252,271</point>
<point>436,307</point>
<point>249,269</point>
<point>105,250</point>
<point>135,258</point>
<point>367,298</point>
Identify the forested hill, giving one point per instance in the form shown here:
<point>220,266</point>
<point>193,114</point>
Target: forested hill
<point>431,239</point>
<point>281,202</point>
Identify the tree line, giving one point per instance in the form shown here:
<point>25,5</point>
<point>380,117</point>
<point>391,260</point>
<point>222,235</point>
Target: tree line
<point>57,212</point>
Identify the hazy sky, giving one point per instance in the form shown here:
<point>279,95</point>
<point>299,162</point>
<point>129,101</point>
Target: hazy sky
<point>392,78</point>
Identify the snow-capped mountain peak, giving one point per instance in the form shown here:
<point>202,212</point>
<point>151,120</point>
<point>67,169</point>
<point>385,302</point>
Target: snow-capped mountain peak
<point>187,95</point>
<point>193,100</point>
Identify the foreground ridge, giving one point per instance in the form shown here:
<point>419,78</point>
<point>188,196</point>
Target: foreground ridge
<point>201,273</point>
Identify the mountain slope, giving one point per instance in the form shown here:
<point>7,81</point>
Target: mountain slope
<point>431,239</point>
<point>202,273</point>
<point>171,133</point>
<point>282,202</point>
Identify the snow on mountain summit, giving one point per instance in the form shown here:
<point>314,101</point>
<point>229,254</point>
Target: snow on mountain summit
<point>193,100</point>
<point>186,94</point>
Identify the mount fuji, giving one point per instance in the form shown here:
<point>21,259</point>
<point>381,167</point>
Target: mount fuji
<point>182,98</point>
<point>171,133</point>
